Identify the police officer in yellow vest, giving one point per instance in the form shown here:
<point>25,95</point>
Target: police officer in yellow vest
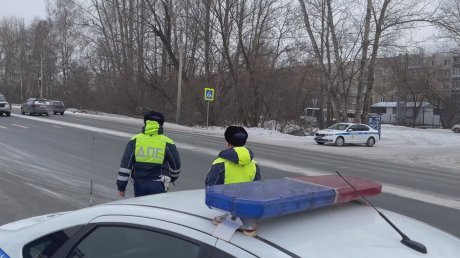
<point>235,164</point>
<point>151,159</point>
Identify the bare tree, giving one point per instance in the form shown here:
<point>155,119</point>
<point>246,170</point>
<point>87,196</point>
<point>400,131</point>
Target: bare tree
<point>447,18</point>
<point>335,48</point>
<point>389,18</point>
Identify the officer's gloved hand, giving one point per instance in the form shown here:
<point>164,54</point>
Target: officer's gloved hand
<point>165,179</point>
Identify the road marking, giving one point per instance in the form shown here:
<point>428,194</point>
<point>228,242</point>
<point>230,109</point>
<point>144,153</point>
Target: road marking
<point>44,190</point>
<point>3,127</point>
<point>22,126</point>
<point>427,197</point>
<point>432,198</point>
<point>56,126</point>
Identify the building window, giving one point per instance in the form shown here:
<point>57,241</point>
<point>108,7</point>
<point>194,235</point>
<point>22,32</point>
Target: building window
<point>447,62</point>
<point>456,72</point>
<point>456,85</point>
<point>433,62</point>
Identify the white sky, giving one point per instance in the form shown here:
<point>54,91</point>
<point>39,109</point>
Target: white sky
<point>27,9</point>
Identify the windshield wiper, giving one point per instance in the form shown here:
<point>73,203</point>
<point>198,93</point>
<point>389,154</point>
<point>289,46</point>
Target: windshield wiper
<point>419,247</point>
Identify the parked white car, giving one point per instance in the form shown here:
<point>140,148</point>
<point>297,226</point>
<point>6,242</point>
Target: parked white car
<point>180,224</point>
<point>456,128</point>
<point>345,133</point>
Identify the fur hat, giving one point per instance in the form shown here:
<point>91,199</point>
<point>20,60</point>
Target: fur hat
<point>154,116</point>
<point>236,135</point>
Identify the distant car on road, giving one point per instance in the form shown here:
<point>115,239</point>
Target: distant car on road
<point>37,106</point>
<point>456,128</point>
<point>344,133</point>
<point>5,107</point>
<point>58,107</point>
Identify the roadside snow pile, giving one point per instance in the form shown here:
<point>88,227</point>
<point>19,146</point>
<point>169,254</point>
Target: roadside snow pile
<point>103,115</point>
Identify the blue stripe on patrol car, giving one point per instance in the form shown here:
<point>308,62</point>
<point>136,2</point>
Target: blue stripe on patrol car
<point>3,254</point>
<point>355,133</point>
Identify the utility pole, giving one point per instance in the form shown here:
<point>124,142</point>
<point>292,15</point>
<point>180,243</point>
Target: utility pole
<point>40,80</point>
<point>179,81</point>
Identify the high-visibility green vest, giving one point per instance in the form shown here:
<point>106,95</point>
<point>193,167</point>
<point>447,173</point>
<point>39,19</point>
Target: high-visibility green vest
<point>244,171</point>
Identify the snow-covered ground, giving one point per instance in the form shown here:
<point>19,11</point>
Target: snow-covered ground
<point>426,147</point>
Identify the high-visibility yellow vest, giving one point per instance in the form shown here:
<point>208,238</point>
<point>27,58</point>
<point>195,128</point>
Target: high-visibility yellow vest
<point>151,146</point>
<point>244,171</point>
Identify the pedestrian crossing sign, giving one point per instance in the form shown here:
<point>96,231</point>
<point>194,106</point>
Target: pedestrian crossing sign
<point>209,94</point>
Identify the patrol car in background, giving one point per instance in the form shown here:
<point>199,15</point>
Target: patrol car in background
<point>310,220</point>
<point>345,133</point>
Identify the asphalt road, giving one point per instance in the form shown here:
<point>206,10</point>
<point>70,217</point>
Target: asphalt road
<point>48,167</point>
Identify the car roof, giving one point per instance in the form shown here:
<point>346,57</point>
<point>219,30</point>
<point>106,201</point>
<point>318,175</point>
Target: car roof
<point>357,229</point>
<point>347,123</point>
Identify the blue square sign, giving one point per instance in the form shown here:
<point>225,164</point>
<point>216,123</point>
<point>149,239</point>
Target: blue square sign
<point>209,94</point>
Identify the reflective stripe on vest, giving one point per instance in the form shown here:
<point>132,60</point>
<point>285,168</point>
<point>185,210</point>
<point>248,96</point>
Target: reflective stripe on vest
<point>150,149</point>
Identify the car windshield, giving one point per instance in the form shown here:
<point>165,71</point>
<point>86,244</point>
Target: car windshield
<point>340,127</point>
<point>59,103</point>
<point>2,98</point>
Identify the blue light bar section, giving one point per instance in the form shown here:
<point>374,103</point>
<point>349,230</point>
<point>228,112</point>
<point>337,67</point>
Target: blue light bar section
<point>268,198</point>
<point>3,254</point>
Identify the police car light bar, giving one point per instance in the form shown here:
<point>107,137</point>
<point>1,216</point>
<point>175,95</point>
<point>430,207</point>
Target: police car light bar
<point>276,197</point>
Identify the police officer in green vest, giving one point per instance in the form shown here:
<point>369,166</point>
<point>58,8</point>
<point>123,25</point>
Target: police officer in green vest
<point>236,164</point>
<point>151,159</point>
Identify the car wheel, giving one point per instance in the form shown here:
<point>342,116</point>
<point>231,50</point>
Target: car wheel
<point>320,143</point>
<point>370,142</point>
<point>8,114</point>
<point>22,112</point>
<point>457,130</point>
<point>62,113</point>
<point>339,141</point>
<point>55,113</point>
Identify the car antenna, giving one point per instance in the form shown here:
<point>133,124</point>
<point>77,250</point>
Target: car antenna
<point>419,247</point>
<point>91,194</point>
<point>91,181</point>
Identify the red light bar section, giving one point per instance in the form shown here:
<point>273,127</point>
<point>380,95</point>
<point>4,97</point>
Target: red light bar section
<point>344,192</point>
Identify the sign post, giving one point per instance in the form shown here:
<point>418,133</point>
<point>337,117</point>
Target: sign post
<point>208,96</point>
